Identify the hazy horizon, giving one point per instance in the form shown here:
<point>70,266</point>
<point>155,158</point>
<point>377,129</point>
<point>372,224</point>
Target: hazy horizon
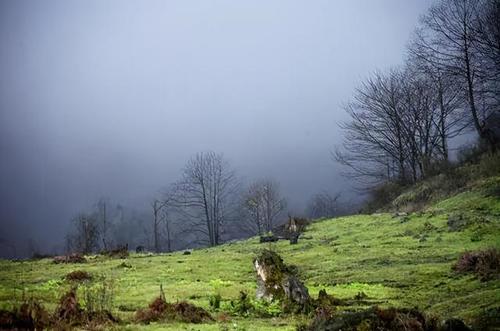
<point>110,99</point>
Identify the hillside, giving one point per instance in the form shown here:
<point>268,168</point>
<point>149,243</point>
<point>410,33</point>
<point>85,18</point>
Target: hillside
<point>402,261</point>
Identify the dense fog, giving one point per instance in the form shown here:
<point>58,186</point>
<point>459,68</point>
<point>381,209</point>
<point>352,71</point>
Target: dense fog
<point>110,99</point>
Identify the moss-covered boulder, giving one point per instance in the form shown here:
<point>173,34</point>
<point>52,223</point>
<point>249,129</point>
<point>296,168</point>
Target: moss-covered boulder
<point>276,281</point>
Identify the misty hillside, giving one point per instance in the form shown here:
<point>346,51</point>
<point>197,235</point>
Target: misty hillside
<point>383,259</point>
<point>250,165</point>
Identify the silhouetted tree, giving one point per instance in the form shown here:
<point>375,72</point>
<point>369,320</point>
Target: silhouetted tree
<point>84,237</point>
<point>263,204</point>
<point>454,38</point>
<point>157,206</point>
<point>323,205</point>
<point>102,212</point>
<point>374,146</point>
<point>205,194</point>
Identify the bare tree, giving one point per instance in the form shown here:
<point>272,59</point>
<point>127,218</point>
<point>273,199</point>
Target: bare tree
<point>263,204</point>
<point>102,212</point>
<point>446,93</point>
<point>169,210</point>
<point>398,127</point>
<point>206,193</point>
<point>427,128</point>
<point>160,215</point>
<point>400,122</point>
<point>487,31</point>
<point>157,205</point>
<point>323,205</point>
<point>85,235</point>
<point>167,221</point>
<point>449,39</point>
<point>374,143</point>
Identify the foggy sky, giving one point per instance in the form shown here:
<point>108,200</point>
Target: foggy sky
<point>110,98</point>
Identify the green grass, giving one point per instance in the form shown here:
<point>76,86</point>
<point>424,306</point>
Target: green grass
<point>401,261</point>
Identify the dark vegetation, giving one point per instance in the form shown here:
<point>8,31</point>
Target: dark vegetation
<point>161,310</point>
<point>78,275</point>
<point>401,121</point>
<point>30,315</point>
<point>485,264</point>
<point>119,252</point>
<point>376,319</point>
<point>69,314</point>
<point>70,258</point>
<point>454,179</point>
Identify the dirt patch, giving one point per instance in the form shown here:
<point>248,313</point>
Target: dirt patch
<point>72,258</point>
<point>182,311</point>
<point>78,276</point>
<point>485,264</point>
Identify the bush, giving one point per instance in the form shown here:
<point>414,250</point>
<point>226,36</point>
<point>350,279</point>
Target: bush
<point>382,195</point>
<point>485,264</point>
<point>78,275</point>
<point>98,297</point>
<point>374,318</point>
<point>120,252</point>
<point>92,311</point>
<point>30,315</point>
<point>182,311</point>
<point>489,165</point>
<point>72,258</point>
<point>433,189</point>
<point>470,153</point>
<point>214,301</point>
<point>245,306</point>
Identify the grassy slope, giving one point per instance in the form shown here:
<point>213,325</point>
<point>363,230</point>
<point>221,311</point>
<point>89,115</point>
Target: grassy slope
<point>384,257</point>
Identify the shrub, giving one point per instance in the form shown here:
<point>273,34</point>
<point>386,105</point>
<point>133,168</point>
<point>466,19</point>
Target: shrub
<point>69,310</point>
<point>214,301</point>
<point>72,258</point>
<point>485,264</point>
<point>98,297</point>
<point>371,319</point>
<point>78,275</point>
<point>382,195</point>
<point>242,306</point>
<point>245,306</point>
<point>489,165</point>
<point>92,312</point>
<point>182,311</point>
<point>470,153</point>
<point>120,252</point>
<point>30,315</point>
<point>432,189</point>
<point>487,318</point>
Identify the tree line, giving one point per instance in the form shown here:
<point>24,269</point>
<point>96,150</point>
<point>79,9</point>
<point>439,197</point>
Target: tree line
<point>401,121</point>
<point>207,206</point>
